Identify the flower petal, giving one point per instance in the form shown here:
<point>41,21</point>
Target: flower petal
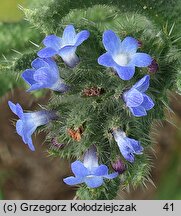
<point>138,111</point>
<point>38,63</point>
<point>28,129</point>
<point>106,60</point>
<point>30,144</point>
<point>78,169</point>
<point>100,170</point>
<point>125,73</point>
<point>147,102</point>
<point>126,151</point>
<point>141,60</point>
<point>47,52</point>
<point>36,86</point>
<point>27,75</point>
<point>67,51</point>
<point>129,45</point>
<point>73,180</point>
<point>81,37</point>
<point>111,176</point>
<point>133,98</point>
<point>19,127</point>
<point>69,35</point>
<point>94,182</point>
<point>135,145</point>
<point>111,42</point>
<point>52,41</point>
<point>143,84</point>
<point>52,65</point>
<point>16,109</point>
<point>45,77</point>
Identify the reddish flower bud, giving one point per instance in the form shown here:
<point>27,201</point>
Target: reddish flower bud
<point>153,67</point>
<point>119,166</point>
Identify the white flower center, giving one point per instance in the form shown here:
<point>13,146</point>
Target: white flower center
<point>122,59</point>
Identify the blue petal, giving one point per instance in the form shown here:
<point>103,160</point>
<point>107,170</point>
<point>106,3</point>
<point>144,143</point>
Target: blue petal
<point>141,60</point>
<point>73,180</point>
<point>111,42</point>
<point>78,169</point>
<point>53,41</point>
<point>27,133</point>
<point>125,73</point>
<point>112,175</point>
<point>100,170</point>
<point>69,35</point>
<point>38,63</point>
<point>138,111</point>
<point>133,98</point>
<point>124,148</point>
<point>147,102</point>
<point>52,65</point>
<point>129,45</point>
<point>44,77</point>
<point>19,127</point>
<point>106,60</point>
<point>36,86</point>
<point>27,75</point>
<point>30,144</point>
<point>16,109</point>
<point>47,52</point>
<point>130,157</point>
<point>135,145</point>
<point>94,182</point>
<point>126,151</point>
<point>81,37</point>
<point>143,84</point>
<point>28,128</point>
<point>67,51</point>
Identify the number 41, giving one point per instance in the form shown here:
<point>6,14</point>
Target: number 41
<point>168,206</point>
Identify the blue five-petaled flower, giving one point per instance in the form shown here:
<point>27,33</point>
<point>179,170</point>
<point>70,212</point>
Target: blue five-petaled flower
<point>136,99</point>
<point>28,122</point>
<point>128,147</point>
<point>122,56</point>
<point>89,171</point>
<point>65,46</point>
<point>44,74</point>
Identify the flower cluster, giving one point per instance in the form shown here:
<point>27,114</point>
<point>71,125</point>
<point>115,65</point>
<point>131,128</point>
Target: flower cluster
<point>123,58</point>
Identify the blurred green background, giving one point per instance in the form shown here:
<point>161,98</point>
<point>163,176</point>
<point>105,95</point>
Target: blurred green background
<point>166,172</point>
<point>9,11</point>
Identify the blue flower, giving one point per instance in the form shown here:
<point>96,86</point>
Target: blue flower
<point>44,74</point>
<point>136,99</point>
<point>65,46</point>
<point>128,147</point>
<point>89,171</point>
<point>122,56</point>
<point>28,122</point>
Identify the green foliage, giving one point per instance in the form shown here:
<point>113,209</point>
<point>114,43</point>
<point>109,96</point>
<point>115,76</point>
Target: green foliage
<point>97,115</point>
<point>18,37</point>
<point>14,39</point>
